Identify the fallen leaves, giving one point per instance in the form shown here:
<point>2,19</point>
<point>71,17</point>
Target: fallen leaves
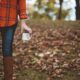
<point>54,51</point>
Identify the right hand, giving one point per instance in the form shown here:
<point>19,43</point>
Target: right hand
<point>25,27</point>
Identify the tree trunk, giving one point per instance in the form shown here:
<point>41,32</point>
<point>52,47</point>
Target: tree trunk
<point>60,10</point>
<point>78,9</point>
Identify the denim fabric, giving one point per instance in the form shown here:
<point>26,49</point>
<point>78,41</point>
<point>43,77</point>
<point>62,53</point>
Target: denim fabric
<point>7,34</point>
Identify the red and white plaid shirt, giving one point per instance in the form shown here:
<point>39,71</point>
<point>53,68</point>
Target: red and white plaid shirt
<point>9,11</point>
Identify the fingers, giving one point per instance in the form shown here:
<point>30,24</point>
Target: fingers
<point>22,30</point>
<point>26,28</point>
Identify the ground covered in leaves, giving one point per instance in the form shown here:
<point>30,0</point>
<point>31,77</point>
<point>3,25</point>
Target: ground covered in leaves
<point>53,53</point>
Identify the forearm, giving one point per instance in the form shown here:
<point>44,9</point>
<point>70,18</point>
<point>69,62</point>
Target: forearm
<point>22,7</point>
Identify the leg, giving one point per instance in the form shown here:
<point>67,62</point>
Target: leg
<point>7,40</point>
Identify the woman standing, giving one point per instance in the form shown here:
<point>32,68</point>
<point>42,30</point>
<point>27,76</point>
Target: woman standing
<point>9,11</point>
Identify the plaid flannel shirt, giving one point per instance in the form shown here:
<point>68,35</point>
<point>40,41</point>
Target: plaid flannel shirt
<point>9,11</point>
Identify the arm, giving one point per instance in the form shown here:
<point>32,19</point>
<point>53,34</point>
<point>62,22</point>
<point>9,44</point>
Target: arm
<point>22,9</point>
<point>23,15</point>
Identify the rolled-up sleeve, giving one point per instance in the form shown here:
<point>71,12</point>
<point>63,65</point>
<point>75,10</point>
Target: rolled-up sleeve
<point>22,6</point>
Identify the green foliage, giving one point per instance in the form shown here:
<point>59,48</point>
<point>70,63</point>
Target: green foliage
<point>47,9</point>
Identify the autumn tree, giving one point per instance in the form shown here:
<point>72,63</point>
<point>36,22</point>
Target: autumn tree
<point>77,9</point>
<point>43,8</point>
<point>60,10</point>
<point>46,9</point>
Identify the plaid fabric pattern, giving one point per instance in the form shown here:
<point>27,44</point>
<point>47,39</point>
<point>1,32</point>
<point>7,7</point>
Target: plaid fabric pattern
<point>9,11</point>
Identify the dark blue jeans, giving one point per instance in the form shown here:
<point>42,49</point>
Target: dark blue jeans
<point>7,34</point>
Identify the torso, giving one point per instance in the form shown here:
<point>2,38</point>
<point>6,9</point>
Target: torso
<point>8,12</point>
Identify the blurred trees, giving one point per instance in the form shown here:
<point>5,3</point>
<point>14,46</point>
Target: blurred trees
<point>47,9</point>
<point>77,9</point>
<point>43,9</point>
<point>54,9</point>
<point>60,10</point>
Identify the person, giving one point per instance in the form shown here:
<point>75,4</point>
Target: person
<point>10,13</point>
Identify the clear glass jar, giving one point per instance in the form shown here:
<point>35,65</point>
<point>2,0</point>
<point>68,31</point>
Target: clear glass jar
<point>26,36</point>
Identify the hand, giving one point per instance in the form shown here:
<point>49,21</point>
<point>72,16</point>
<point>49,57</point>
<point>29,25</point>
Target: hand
<point>25,27</point>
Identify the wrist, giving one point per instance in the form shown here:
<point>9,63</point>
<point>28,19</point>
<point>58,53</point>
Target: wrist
<point>23,20</point>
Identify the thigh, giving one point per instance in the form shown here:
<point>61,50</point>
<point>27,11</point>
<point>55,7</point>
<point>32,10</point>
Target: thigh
<point>7,34</point>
